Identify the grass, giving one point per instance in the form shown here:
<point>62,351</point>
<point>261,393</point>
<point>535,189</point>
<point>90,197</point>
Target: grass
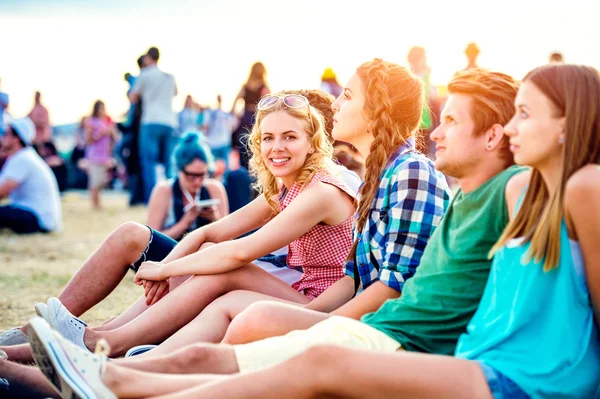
<point>36,267</point>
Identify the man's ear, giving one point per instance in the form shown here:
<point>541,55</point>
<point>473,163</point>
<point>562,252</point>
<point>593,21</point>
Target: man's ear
<point>494,136</point>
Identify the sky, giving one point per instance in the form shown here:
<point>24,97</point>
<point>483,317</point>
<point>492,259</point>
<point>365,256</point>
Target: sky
<point>76,52</point>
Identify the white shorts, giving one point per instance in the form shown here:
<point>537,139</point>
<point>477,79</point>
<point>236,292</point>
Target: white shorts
<point>96,175</point>
<point>335,330</point>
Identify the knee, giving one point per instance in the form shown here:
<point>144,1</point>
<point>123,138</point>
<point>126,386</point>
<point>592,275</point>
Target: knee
<point>243,326</point>
<point>321,363</point>
<point>133,235</point>
<point>185,358</point>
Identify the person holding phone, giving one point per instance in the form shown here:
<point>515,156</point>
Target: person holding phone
<point>192,199</point>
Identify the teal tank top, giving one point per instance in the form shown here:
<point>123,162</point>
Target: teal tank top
<point>535,327</point>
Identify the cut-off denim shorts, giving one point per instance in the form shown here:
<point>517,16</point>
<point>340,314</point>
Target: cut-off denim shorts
<point>159,246</point>
<point>500,385</point>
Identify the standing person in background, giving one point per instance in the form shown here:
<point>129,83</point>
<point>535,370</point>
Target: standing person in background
<point>156,90</point>
<point>41,120</point>
<point>219,129</point>
<point>329,83</point>
<point>100,133</point>
<point>188,116</point>
<point>254,88</point>
<point>131,142</point>
<point>418,64</point>
<point>472,52</point>
<point>3,107</point>
<point>29,184</point>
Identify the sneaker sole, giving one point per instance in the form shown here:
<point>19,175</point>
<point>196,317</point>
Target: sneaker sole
<point>52,361</point>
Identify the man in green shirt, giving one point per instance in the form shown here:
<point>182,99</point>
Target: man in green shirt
<point>436,303</point>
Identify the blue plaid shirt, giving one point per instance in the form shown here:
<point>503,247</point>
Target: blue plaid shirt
<point>409,204</point>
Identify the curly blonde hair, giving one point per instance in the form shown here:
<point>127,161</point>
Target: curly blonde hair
<point>321,160</point>
<point>394,99</point>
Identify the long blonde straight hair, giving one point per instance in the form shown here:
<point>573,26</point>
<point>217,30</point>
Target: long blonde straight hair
<point>574,90</point>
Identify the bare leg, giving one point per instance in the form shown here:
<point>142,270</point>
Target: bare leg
<point>136,309</point>
<point>95,195</point>
<point>324,372</point>
<point>183,304</point>
<point>127,383</point>
<point>26,381</point>
<point>105,268</point>
<point>269,319</point>
<point>197,358</point>
<point>133,311</point>
<point>212,323</point>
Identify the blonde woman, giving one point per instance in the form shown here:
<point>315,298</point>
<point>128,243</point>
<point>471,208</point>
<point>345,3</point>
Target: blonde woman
<point>303,205</point>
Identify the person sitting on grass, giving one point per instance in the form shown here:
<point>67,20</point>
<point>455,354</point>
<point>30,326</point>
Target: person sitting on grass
<point>535,333</point>
<point>28,182</point>
<point>174,208</point>
<point>471,146</point>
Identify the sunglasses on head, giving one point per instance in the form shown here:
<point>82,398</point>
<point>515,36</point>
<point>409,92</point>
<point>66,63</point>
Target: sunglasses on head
<point>289,100</point>
<point>191,175</point>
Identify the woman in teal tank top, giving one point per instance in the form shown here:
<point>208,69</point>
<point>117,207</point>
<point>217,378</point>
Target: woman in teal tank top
<point>535,326</point>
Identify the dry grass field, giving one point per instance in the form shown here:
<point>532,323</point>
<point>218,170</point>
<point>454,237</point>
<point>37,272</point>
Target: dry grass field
<point>36,267</point>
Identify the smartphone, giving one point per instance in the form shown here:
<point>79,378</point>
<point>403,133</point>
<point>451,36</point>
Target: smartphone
<point>207,203</point>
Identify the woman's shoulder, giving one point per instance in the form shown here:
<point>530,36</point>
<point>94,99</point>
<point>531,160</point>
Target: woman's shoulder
<point>164,188</point>
<point>583,186</point>
<point>214,186</point>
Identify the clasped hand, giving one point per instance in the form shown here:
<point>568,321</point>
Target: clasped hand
<point>151,276</point>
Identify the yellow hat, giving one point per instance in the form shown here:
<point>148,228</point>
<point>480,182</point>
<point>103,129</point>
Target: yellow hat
<point>328,74</point>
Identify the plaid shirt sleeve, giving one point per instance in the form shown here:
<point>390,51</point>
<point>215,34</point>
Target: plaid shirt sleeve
<point>418,198</point>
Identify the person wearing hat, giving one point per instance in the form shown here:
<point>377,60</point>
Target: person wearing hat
<point>329,83</point>
<point>28,182</point>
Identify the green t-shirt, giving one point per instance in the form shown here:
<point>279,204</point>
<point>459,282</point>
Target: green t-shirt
<point>438,302</point>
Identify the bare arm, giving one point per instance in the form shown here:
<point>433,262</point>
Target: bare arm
<point>582,213</point>
<point>246,219</point>
<point>368,301</point>
<point>7,186</point>
<point>158,207</point>
<point>217,191</point>
<point>333,297</point>
<point>318,203</point>
<point>239,95</point>
<point>87,132</point>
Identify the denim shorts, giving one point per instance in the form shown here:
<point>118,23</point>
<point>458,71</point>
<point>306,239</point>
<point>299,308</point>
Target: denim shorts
<point>159,246</point>
<point>500,385</point>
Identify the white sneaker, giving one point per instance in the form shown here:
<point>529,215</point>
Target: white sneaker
<point>59,318</point>
<point>14,336</point>
<point>41,309</point>
<point>75,372</point>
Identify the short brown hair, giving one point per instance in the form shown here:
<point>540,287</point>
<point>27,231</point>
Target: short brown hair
<point>493,95</point>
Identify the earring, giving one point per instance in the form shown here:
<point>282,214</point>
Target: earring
<point>561,140</point>
<point>489,147</point>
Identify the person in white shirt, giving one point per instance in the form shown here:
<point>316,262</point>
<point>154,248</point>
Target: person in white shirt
<point>155,89</point>
<point>220,127</point>
<point>29,184</point>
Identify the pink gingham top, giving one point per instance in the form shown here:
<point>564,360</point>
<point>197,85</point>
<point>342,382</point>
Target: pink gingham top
<point>322,250</point>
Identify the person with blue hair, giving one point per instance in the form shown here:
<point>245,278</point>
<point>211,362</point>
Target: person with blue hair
<point>175,204</point>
